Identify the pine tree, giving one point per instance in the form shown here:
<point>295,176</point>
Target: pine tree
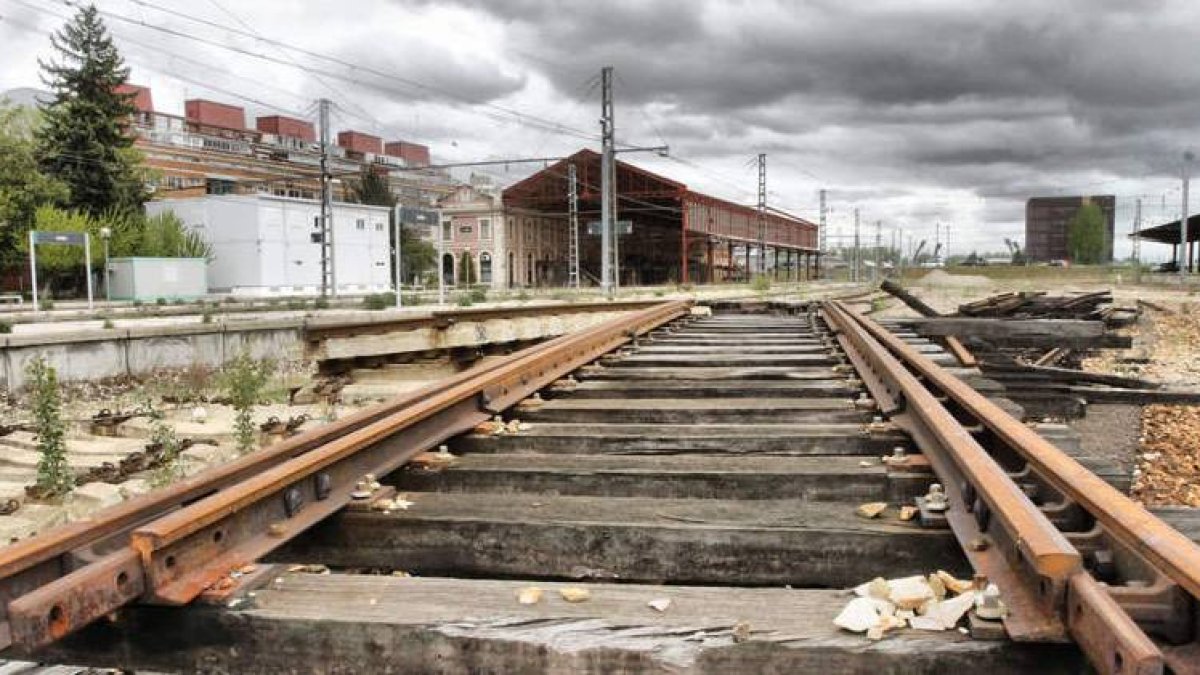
<point>84,141</point>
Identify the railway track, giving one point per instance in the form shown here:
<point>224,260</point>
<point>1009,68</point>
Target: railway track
<point>698,478</point>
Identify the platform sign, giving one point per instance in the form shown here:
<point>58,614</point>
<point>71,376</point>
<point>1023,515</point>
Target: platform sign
<point>623,227</point>
<point>67,238</point>
<point>76,238</point>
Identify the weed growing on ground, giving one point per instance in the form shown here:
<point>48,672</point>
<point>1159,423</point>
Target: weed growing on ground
<point>169,469</point>
<point>479,294</point>
<point>463,300</point>
<point>243,381</point>
<point>761,283</point>
<point>53,473</point>
<point>321,303</point>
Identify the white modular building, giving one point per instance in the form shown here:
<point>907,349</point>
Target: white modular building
<point>265,245</point>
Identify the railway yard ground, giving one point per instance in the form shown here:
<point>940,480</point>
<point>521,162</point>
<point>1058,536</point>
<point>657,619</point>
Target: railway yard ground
<point>819,478</point>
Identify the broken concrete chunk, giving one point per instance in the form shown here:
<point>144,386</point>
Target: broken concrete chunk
<point>529,596</point>
<point>926,623</point>
<point>875,588</point>
<point>659,604</point>
<point>938,587</point>
<point>953,584</point>
<point>871,509</point>
<point>951,610</point>
<point>575,594</point>
<point>858,616</point>
<point>910,592</point>
<point>741,631</point>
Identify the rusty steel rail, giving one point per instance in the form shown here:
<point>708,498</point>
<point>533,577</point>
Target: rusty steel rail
<point>172,557</point>
<point>1118,540</point>
<point>443,319</point>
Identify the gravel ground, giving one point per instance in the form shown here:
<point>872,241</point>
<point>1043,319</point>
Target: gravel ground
<point>1169,464</point>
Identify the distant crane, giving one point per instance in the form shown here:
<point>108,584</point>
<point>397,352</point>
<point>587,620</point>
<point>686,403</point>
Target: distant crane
<point>916,256</point>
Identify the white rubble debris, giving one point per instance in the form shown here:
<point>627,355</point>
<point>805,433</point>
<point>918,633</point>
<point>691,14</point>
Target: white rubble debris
<point>933,603</point>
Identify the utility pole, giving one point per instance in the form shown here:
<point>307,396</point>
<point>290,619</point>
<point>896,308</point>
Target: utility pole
<point>607,189</point>
<point>823,238</point>
<point>762,213</point>
<point>328,277</point>
<point>892,253</point>
<point>398,231</point>
<point>1183,257</point>
<point>878,247</point>
<point>1137,242</point>
<point>857,276</point>
<point>573,244</point>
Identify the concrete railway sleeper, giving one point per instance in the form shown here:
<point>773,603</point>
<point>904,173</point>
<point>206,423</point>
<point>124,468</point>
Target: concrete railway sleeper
<point>698,475</point>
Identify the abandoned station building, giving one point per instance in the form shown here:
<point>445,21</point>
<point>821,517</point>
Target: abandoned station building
<point>208,159</point>
<point>521,237</point>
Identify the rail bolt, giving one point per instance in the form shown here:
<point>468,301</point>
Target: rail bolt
<point>363,488</point>
<point>899,456</point>
<point>988,604</point>
<point>935,499</point>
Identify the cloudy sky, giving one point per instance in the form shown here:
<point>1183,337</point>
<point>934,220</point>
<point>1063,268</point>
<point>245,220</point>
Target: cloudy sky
<point>914,111</point>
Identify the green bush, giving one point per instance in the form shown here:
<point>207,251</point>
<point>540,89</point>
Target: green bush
<point>296,303</point>
<point>138,303</point>
<point>6,327</point>
<point>206,317</point>
<point>463,300</point>
<point>412,299</point>
<point>161,302</point>
<point>479,294</point>
<point>761,283</point>
<point>321,303</point>
<point>46,303</point>
<point>378,301</point>
<point>108,323</point>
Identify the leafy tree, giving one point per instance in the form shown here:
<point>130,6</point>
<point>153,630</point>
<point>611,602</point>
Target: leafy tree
<point>84,140</point>
<point>416,254</point>
<point>23,187</point>
<point>371,188</point>
<point>165,236</point>
<point>1086,236</point>
<point>54,258</point>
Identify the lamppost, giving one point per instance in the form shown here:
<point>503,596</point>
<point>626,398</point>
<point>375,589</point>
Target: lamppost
<point>106,234</point>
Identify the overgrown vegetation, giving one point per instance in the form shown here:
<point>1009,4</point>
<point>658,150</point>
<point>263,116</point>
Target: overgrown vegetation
<point>243,381</point>
<point>54,478</point>
<point>6,327</point>
<point>479,293</point>
<point>761,283</point>
<point>463,300</point>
